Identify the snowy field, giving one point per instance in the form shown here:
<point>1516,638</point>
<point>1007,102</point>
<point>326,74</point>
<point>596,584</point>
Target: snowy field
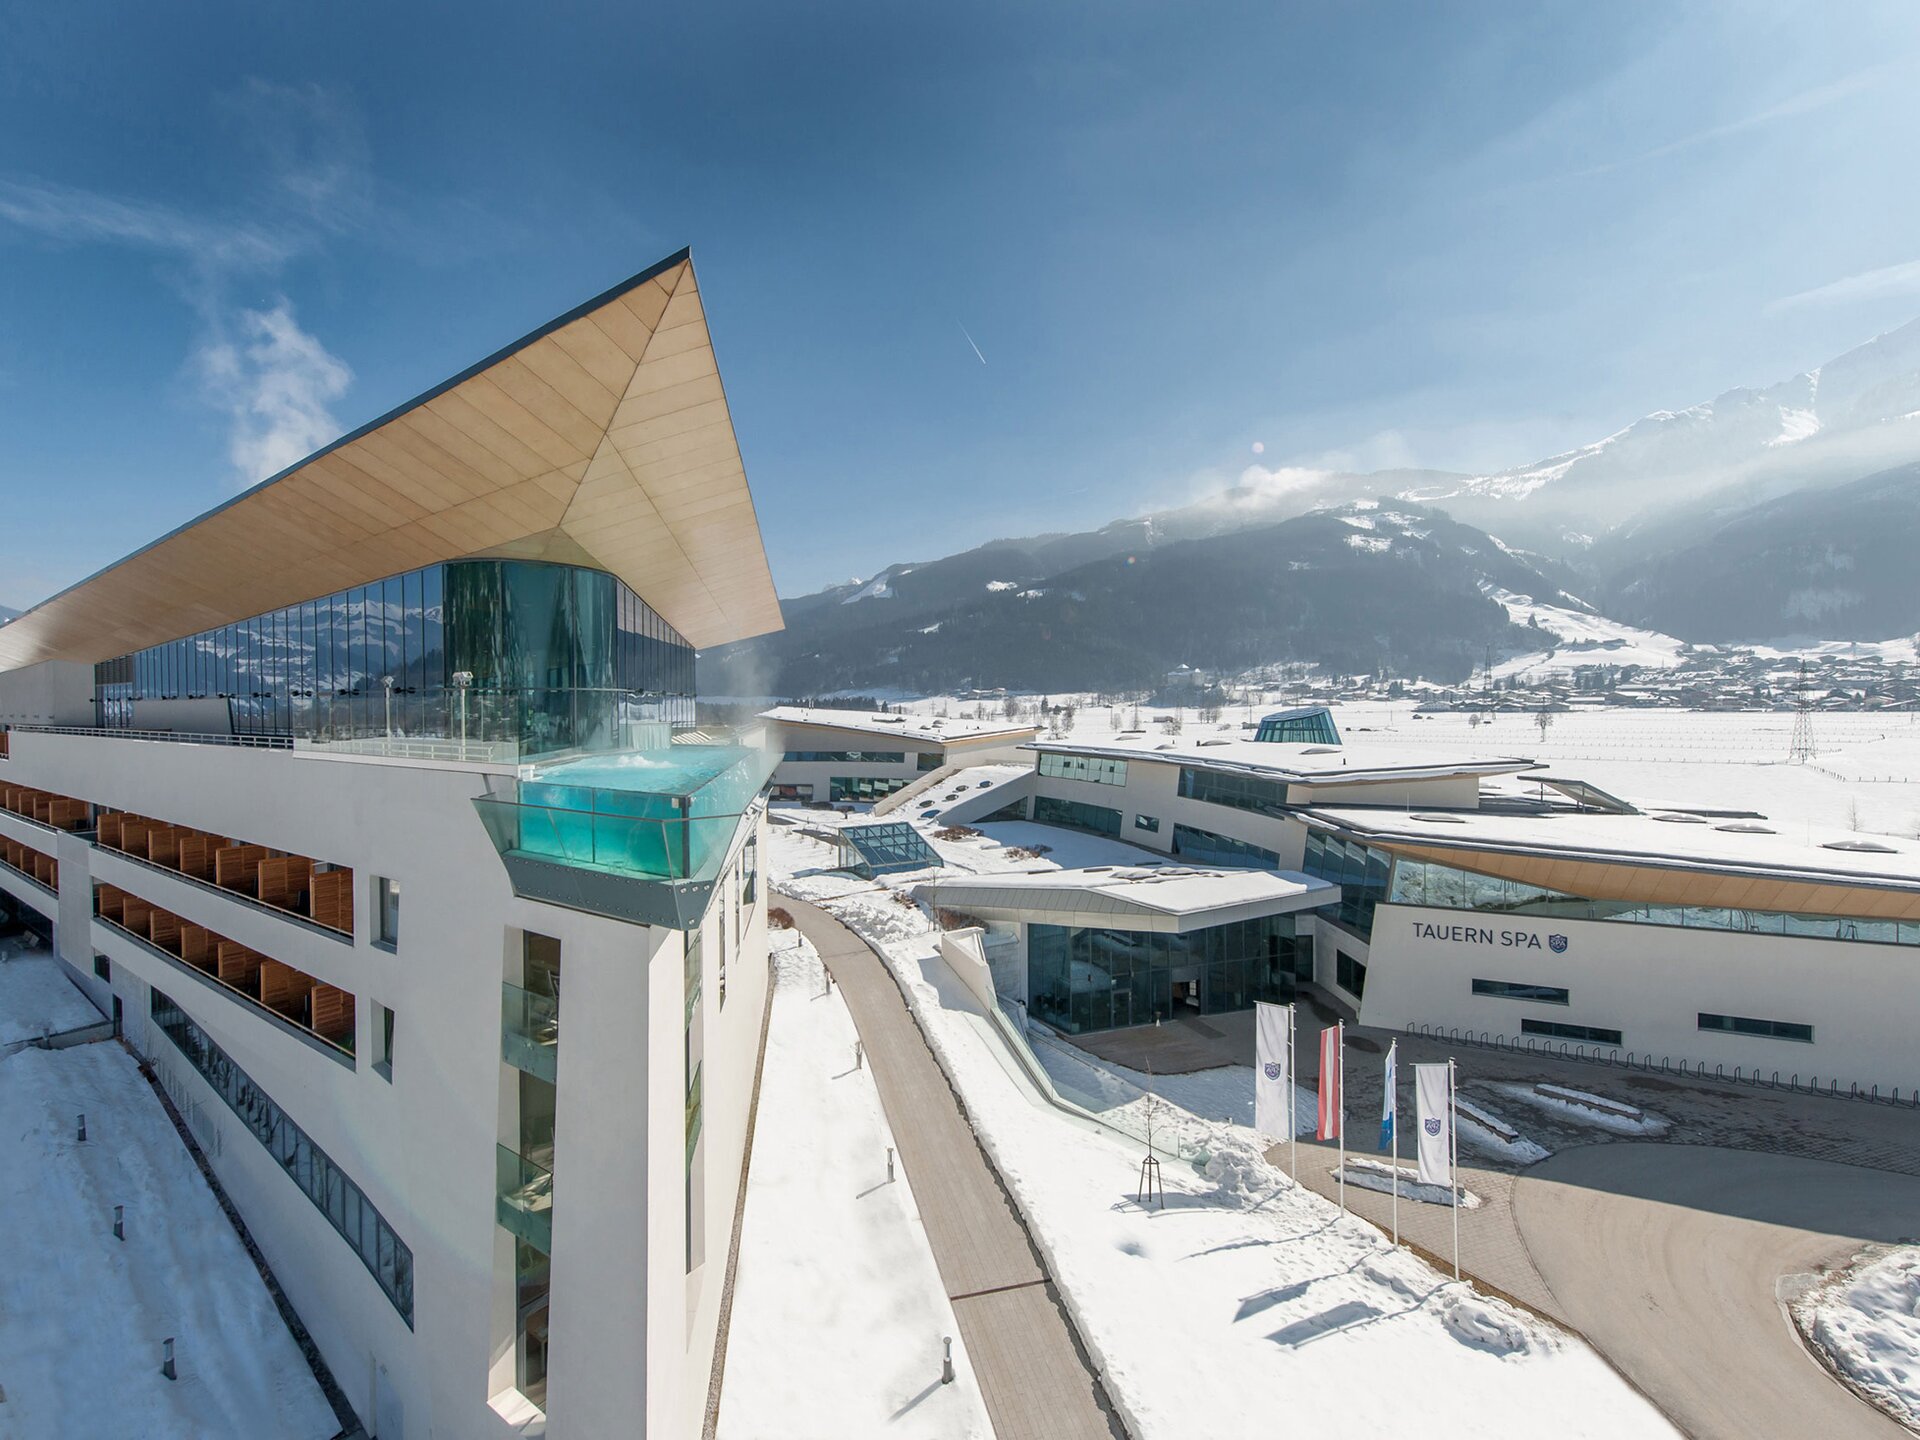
<point>1867,1321</point>
<point>36,997</point>
<point>1247,1297</point>
<point>1865,774</point>
<point>838,1309</point>
<point>82,1315</point>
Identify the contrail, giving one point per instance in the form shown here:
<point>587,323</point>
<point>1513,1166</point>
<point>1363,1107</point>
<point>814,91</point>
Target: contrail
<point>976,348</point>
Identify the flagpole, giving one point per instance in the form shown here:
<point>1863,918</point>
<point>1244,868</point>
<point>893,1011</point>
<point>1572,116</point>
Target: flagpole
<point>1393,1099</point>
<point>1453,1164</point>
<point>1293,1118</point>
<point>1340,1100</point>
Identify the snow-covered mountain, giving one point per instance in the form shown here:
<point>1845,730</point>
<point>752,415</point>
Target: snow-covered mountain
<point>1856,414</point>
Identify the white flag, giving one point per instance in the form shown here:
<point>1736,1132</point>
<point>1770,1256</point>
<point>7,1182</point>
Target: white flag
<point>1272,1069</point>
<point>1432,1087</point>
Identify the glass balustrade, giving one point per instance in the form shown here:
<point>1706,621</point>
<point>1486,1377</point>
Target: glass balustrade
<point>524,1198</point>
<point>530,1031</point>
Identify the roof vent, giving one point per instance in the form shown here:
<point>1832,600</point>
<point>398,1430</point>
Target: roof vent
<point>1680,819</point>
<point>889,719</point>
<point>1440,819</point>
<point>1320,750</point>
<point>1098,869</point>
<point>1213,742</point>
<point>1747,827</point>
<point>1870,847</point>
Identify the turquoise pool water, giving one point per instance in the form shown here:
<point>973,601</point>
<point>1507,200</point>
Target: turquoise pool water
<point>666,814</point>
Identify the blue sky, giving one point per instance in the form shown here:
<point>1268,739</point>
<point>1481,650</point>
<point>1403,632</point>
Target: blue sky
<point>1459,236</point>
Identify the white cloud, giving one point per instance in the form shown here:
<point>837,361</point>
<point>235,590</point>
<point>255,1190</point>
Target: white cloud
<point>1887,282</point>
<point>276,383</point>
<point>64,213</point>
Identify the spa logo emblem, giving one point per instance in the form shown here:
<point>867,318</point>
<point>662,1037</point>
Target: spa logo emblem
<point>1557,944</point>
<point>1273,1070</point>
<point>1431,1124</point>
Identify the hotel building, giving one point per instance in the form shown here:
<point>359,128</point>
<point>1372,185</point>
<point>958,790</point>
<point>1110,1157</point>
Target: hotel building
<point>1482,896</point>
<point>358,803</point>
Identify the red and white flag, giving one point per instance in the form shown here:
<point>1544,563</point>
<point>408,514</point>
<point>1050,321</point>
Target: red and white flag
<point>1331,1078</point>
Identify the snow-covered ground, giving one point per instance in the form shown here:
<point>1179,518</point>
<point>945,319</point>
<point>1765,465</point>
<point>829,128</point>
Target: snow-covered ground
<point>1865,774</point>
<point>82,1315</point>
<point>1247,1297</point>
<point>36,997</point>
<point>838,1310</point>
<point>1867,1321</point>
<point>1567,1106</point>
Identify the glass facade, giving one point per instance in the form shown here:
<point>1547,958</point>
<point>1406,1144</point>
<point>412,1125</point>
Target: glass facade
<point>885,849</point>
<point>561,657</point>
<point>1522,990</point>
<point>1075,815</point>
<point>1211,849</point>
<point>344,1204</point>
<point>1080,978</point>
<point>1422,882</point>
<point>1094,769</point>
<point>847,757</point>
<point>1363,873</point>
<point>1299,727</point>
<point>859,789</point>
<point>1237,792</point>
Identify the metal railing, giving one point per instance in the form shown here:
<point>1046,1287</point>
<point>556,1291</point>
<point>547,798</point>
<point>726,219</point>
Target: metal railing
<point>403,747</point>
<point>1611,1056</point>
<point>176,737</point>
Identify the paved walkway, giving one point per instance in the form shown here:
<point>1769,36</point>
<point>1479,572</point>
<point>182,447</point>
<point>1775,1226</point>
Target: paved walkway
<point>1035,1380</point>
<point>1669,1258</point>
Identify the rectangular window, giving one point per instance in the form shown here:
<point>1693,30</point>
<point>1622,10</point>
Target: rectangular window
<point>1148,823</point>
<point>1237,792</point>
<point>332,1192</point>
<point>847,757</point>
<point>1520,990</point>
<point>1555,1030</point>
<point>858,789</point>
<point>1076,815</point>
<point>383,1042</point>
<point>1211,849</point>
<point>103,967</point>
<point>928,760</point>
<point>1351,974</point>
<point>1094,769</point>
<point>386,912</point>
<point>1762,1029</point>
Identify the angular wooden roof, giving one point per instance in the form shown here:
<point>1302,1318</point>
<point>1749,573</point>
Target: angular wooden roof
<point>601,439</point>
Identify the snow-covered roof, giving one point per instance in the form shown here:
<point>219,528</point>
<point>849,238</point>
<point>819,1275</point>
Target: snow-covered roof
<point>1745,845</point>
<point>1172,898</point>
<point>912,727</point>
<point>1347,764</point>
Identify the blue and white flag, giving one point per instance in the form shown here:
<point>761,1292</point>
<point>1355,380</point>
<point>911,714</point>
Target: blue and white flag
<point>1389,1106</point>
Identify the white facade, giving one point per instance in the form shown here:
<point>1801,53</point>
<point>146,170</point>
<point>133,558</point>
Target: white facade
<point>888,752</point>
<point>631,1327</point>
<point>1651,983</point>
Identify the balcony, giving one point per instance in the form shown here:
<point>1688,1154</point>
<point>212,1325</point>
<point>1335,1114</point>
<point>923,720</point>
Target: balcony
<point>530,1032</point>
<point>43,807</point>
<point>292,885</point>
<point>523,1200</point>
<point>30,864</point>
<point>639,836</point>
<point>295,1000</point>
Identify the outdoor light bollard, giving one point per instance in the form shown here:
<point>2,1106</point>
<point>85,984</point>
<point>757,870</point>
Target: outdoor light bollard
<point>946,1365</point>
<point>83,1128</point>
<point>166,1359</point>
<point>119,1222</point>
<point>859,1059</point>
<point>889,1164</point>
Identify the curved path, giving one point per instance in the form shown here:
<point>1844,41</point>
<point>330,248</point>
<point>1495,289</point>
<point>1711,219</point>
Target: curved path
<point>1668,1256</point>
<point>1033,1376</point>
